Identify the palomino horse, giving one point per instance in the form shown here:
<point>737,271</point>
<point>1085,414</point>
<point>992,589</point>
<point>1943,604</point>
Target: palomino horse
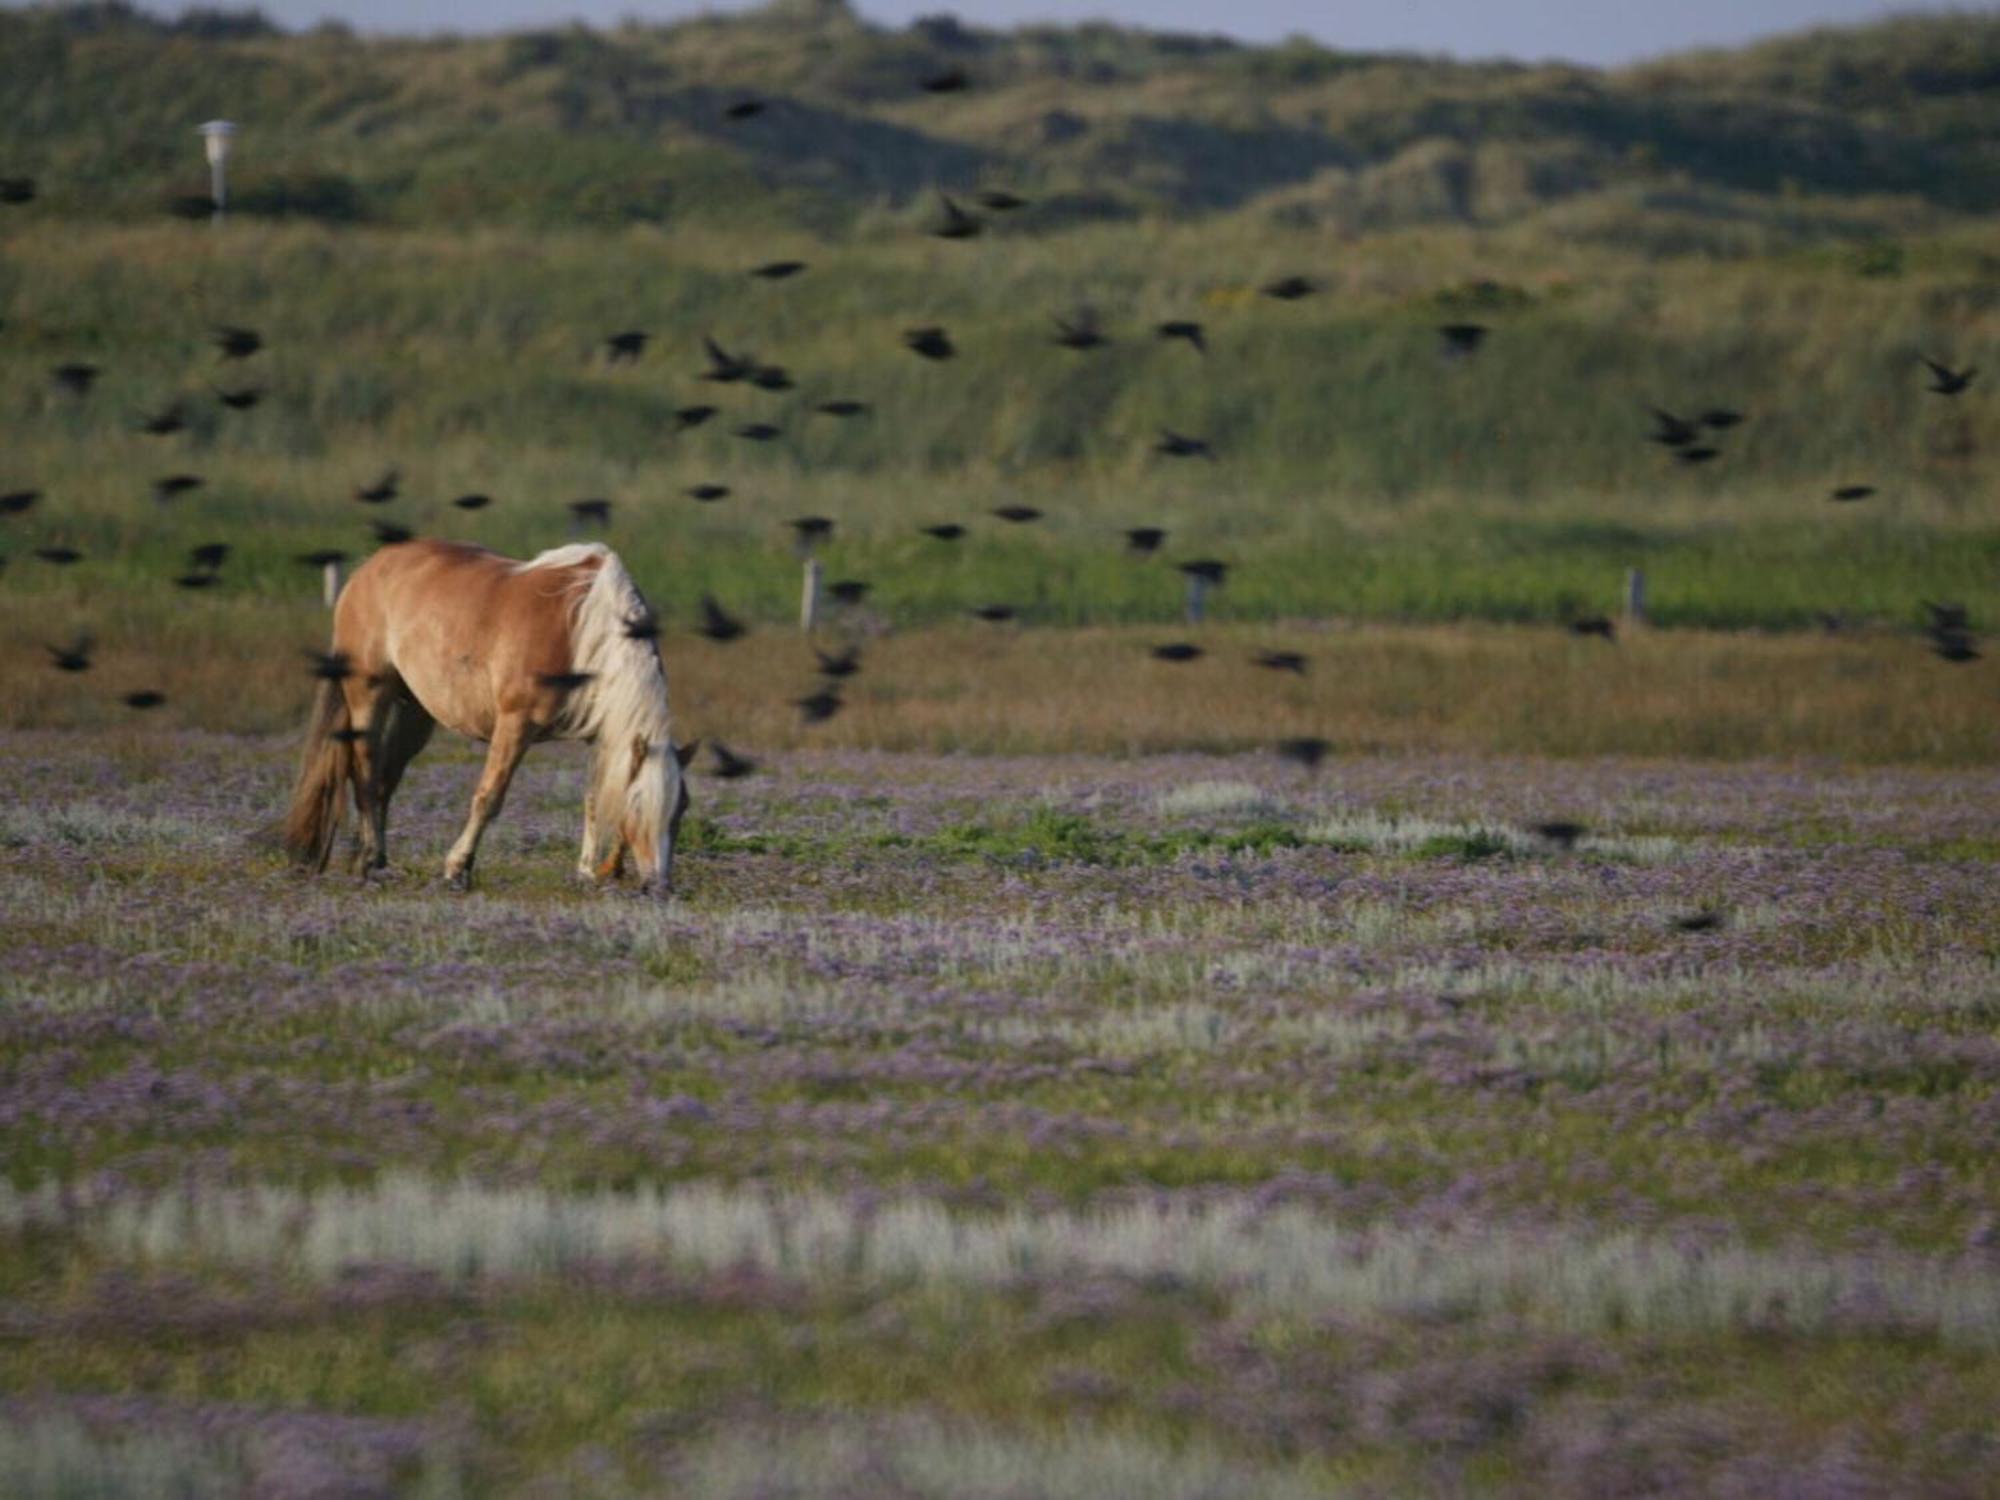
<point>561,647</point>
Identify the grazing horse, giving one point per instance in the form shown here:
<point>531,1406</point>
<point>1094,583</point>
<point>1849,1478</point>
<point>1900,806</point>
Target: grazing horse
<point>560,647</point>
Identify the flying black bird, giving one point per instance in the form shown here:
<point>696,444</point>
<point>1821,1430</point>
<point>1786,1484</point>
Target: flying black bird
<point>389,534</point>
<point>14,502</point>
<point>994,614</point>
<point>777,270</point>
<point>1559,832</point>
<point>644,626</point>
<point>717,623</point>
<point>1207,569</point>
<point>625,347</point>
<point>810,530</point>
<point>1018,514</point>
<point>845,664</point>
<point>17,190</point>
<point>998,200</point>
<point>729,766</point>
<point>1720,419</point>
<point>77,379</point>
<point>173,486</point>
<point>242,399</point>
<point>849,591</point>
<point>1706,920</point>
<point>771,378</point>
<point>330,666</point>
<point>1144,539</point>
<point>74,657</point>
<point>1698,454</point>
<point>744,109</point>
<point>759,432</point>
<point>1183,328</point>
<point>950,81</point>
<point>945,531</point>
<point>1178,445</point>
<point>164,422</point>
<point>723,366</point>
<point>1177,651</point>
<point>325,558</point>
<point>1461,340</point>
<point>956,224</point>
<point>1673,431</point>
<point>565,682</point>
<point>842,408</point>
<point>145,698</point>
<point>591,512</point>
<point>1282,661</point>
<point>1291,288</point>
<point>198,580</point>
<point>1080,331</point>
<point>473,501</point>
<point>820,706</point>
<point>382,490</point>
<point>209,555</point>
<point>237,343</point>
<point>1848,493</point>
<point>1946,381</point>
<point>1950,632</point>
<point>931,342</point>
<point>62,557</point>
<point>691,416</point>
<point>1597,625</point>
<point>1308,751</point>
<point>708,493</point>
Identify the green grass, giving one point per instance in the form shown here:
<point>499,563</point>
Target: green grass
<point>1357,474</point>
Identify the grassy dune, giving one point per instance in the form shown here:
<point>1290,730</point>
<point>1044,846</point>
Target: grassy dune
<point>1356,473</point>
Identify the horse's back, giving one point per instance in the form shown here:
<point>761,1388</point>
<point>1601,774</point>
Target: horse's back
<point>470,633</point>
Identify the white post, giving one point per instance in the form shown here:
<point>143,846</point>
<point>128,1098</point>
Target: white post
<point>216,137</point>
<point>329,582</point>
<point>1635,596</point>
<point>809,597</point>
<point>1197,598</point>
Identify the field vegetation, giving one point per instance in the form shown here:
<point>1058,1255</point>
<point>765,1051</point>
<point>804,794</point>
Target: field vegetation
<point>1006,1126</point>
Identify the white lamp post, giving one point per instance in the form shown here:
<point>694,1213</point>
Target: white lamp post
<point>217,137</point>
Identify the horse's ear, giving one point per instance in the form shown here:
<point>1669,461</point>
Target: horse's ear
<point>685,754</point>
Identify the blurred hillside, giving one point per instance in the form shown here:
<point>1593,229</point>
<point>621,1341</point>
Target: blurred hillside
<point>1832,134</point>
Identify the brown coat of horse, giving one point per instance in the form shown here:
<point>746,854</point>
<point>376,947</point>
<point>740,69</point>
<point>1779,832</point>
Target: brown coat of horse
<point>433,632</point>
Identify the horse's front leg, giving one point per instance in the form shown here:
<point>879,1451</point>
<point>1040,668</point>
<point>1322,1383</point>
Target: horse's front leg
<point>586,859</point>
<point>588,866</point>
<point>510,742</point>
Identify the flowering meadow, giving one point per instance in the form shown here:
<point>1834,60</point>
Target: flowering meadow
<point>1186,1126</point>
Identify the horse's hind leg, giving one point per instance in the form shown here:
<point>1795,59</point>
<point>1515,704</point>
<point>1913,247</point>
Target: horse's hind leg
<point>503,755</point>
<point>405,730</point>
<point>368,696</point>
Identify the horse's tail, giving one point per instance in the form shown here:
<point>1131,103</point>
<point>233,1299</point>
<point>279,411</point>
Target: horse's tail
<point>325,768</point>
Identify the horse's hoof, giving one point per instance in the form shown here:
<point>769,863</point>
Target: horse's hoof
<point>460,881</point>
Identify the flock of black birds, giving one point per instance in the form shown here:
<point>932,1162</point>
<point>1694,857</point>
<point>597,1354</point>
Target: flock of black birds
<point>1693,441</point>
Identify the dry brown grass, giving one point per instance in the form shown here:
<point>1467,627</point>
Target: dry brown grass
<point>1514,690</point>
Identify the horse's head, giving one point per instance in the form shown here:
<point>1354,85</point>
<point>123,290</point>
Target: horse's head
<point>655,802</point>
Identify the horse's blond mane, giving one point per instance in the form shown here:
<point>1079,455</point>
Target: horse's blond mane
<point>623,706</point>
